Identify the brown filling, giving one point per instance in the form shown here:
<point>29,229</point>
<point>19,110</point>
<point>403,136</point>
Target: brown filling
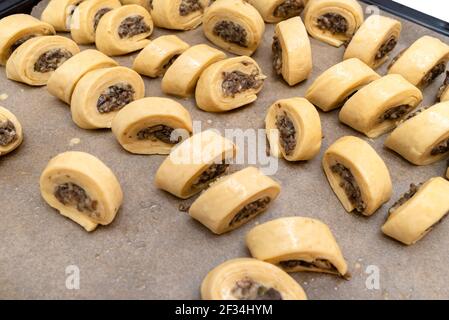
<point>277,55</point>
<point>248,289</point>
<point>21,41</point>
<point>51,60</point>
<point>287,133</point>
<point>212,173</point>
<point>441,148</point>
<point>405,197</point>
<point>434,73</point>
<point>322,264</point>
<point>333,22</point>
<point>100,13</point>
<point>8,133</point>
<point>386,48</point>
<point>188,6</point>
<point>443,86</point>
<point>237,82</point>
<point>70,194</point>
<point>115,97</point>
<point>350,187</point>
<point>132,26</point>
<point>160,132</point>
<point>170,62</point>
<point>289,8</point>
<point>231,32</point>
<point>415,113</point>
<point>250,210</point>
<point>150,4</point>
<point>395,113</point>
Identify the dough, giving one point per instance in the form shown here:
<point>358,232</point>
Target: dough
<point>100,94</point>
<point>337,84</point>
<point>423,139</point>
<point>180,79</point>
<point>234,25</point>
<point>195,163</point>
<point>62,82</point>
<point>423,62</point>
<point>152,126</point>
<point>377,108</point>
<point>297,244</point>
<point>59,13</point>
<point>235,199</point>
<point>229,84</point>
<point>358,175</point>
<point>443,92</point>
<point>447,173</point>
<point>11,134</point>
<point>81,188</point>
<point>124,30</point>
<point>159,55</point>
<point>250,279</point>
<point>376,38</point>
<point>418,211</point>
<point>293,129</point>
<point>17,29</point>
<point>147,4</point>
<point>333,21</point>
<point>273,11</point>
<point>34,61</point>
<point>292,54</point>
<point>178,14</point>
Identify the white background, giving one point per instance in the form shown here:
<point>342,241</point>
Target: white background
<point>436,8</point>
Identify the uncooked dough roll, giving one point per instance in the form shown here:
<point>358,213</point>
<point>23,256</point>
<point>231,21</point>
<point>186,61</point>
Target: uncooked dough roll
<point>62,82</point>
<point>152,126</point>
<point>124,30</point>
<point>82,188</point>
<point>147,4</point>
<point>229,84</point>
<point>333,21</point>
<point>11,134</point>
<point>381,105</point>
<point>16,29</point>
<point>34,61</point>
<point>423,62</point>
<point>293,129</point>
<point>154,60</point>
<point>178,14</point>
<point>235,199</point>
<point>358,175</point>
<point>59,13</point>
<point>181,78</point>
<point>337,84</point>
<point>273,11</point>
<point>297,244</point>
<point>423,139</point>
<point>418,211</point>
<point>443,92</point>
<point>376,38</point>
<point>100,94</point>
<point>234,25</point>
<point>195,163</point>
<point>250,279</point>
<point>292,54</point>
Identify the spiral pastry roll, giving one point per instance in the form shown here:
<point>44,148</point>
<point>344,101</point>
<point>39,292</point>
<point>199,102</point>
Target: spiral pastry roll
<point>11,134</point>
<point>358,175</point>
<point>292,54</point>
<point>297,244</point>
<point>418,211</point>
<point>34,61</point>
<point>100,94</point>
<point>154,60</point>
<point>195,163</point>
<point>81,188</point>
<point>234,200</point>
<point>377,108</point>
<point>337,84</point>
<point>59,13</point>
<point>376,38</point>
<point>443,92</point>
<point>273,11</point>
<point>63,80</point>
<point>182,76</point>
<point>250,279</point>
<point>152,126</point>
<point>229,84</point>
<point>178,14</point>
<point>293,129</point>
<point>234,25</point>
<point>16,29</point>
<point>423,139</point>
<point>147,4</point>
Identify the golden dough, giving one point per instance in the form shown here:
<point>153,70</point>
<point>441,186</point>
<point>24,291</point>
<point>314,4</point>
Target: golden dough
<point>178,14</point>
<point>11,133</point>
<point>59,13</point>
<point>144,3</point>
<point>273,11</point>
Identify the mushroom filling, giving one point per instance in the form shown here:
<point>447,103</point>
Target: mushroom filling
<point>277,55</point>
<point>160,132</point>
<point>250,210</point>
<point>237,82</point>
<point>132,26</point>
<point>441,148</point>
<point>322,264</point>
<point>289,8</point>
<point>434,73</point>
<point>231,32</point>
<point>405,197</point>
<point>100,13</point>
<point>211,173</point>
<point>395,113</point>
<point>287,133</point>
<point>350,187</point>
<point>150,4</point>
<point>8,133</point>
<point>52,59</point>
<point>70,194</point>
<point>444,86</point>
<point>115,97</point>
<point>386,48</point>
<point>188,6</point>
<point>170,62</point>
<point>21,41</point>
<point>415,113</point>
<point>333,22</point>
<point>248,289</point>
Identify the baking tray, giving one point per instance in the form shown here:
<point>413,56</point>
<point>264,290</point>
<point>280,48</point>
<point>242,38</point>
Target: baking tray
<point>154,251</point>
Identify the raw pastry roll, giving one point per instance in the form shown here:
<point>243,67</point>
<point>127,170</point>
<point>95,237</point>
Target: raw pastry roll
<point>423,139</point>
<point>229,84</point>
<point>63,80</point>
<point>59,13</point>
<point>147,4</point>
<point>418,211</point>
<point>100,94</point>
<point>154,60</point>
<point>16,29</point>
<point>234,25</point>
<point>34,61</point>
<point>124,30</point>
<point>152,126</point>
<point>357,175</point>
<point>250,279</point>
<point>337,84</point>
<point>235,199</point>
<point>178,14</point>
<point>443,92</point>
<point>195,163</point>
<point>181,78</point>
<point>381,105</point>
<point>273,11</point>
<point>293,129</point>
<point>297,244</point>
<point>11,134</point>
<point>81,188</point>
<point>333,21</point>
<point>292,54</point>
<point>376,38</point>
<point>423,62</point>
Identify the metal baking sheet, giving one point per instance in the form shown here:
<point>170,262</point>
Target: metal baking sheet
<point>154,251</point>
